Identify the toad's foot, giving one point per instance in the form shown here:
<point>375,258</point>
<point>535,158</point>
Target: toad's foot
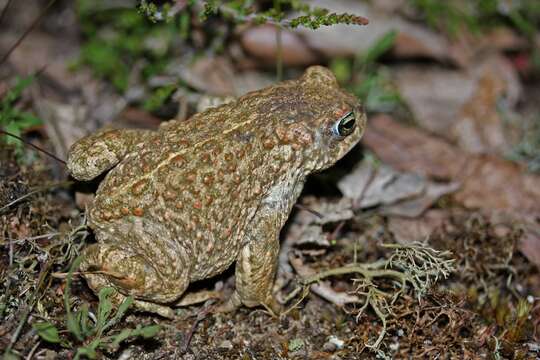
<point>230,305</point>
<point>154,308</point>
<point>234,302</point>
<point>198,297</point>
<point>118,298</point>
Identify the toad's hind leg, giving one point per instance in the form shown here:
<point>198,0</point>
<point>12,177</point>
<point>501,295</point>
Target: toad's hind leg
<point>132,273</point>
<point>99,152</point>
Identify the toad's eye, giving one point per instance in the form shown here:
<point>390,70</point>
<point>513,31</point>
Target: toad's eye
<point>345,125</point>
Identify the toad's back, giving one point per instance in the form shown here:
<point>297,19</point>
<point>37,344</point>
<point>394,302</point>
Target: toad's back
<point>202,180</point>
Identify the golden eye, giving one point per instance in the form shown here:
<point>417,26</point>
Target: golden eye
<point>345,125</point>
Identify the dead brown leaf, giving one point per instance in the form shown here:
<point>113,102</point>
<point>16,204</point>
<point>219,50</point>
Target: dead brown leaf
<point>260,41</point>
<point>306,46</point>
<point>370,185</point>
<point>410,149</point>
<point>413,40</point>
<point>481,125</point>
<point>488,183</point>
<point>407,230</point>
<point>416,206</point>
<point>396,193</point>
<point>437,96</point>
<point>211,75</point>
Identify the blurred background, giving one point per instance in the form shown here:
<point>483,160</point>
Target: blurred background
<point>463,70</point>
<point>451,152</point>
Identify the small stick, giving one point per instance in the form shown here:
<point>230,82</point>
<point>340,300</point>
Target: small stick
<point>4,11</point>
<point>305,208</point>
<point>200,316</point>
<point>33,146</point>
<point>38,190</point>
<point>28,31</point>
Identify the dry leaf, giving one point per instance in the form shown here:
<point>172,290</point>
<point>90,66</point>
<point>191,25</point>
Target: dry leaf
<point>379,185</point>
<point>481,126</point>
<point>415,207</point>
<point>260,41</point>
<point>413,40</point>
<point>410,149</point>
<point>304,46</point>
<point>438,97</point>
<point>406,230</point>
<point>487,182</point>
<point>211,75</point>
<point>399,193</point>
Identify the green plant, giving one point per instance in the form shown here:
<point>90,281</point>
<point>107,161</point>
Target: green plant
<point>89,333</point>
<point>118,38</point>
<point>411,269</point>
<point>159,97</point>
<point>12,119</point>
<point>367,79</point>
<point>242,11</point>
<point>477,16</point>
<point>449,16</point>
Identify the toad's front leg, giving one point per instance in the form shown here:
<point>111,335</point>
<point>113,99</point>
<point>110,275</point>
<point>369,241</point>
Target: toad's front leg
<point>256,267</point>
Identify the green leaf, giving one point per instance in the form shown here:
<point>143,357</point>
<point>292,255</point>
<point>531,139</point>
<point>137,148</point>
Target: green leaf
<point>83,321</point>
<point>146,332</point>
<point>47,331</point>
<point>73,326</point>
<point>105,58</point>
<point>27,120</point>
<point>118,338</point>
<point>341,69</point>
<point>15,130</point>
<point>120,312</point>
<point>158,97</point>
<point>104,308</point>
<point>385,43</point>
<point>17,90</point>
<point>86,351</point>
<point>149,331</point>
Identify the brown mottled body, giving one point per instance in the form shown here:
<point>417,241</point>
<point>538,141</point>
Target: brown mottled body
<point>183,203</point>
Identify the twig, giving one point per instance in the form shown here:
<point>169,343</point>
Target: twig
<point>4,11</point>
<point>38,190</point>
<point>32,145</point>
<point>31,238</point>
<point>305,208</point>
<point>33,301</point>
<point>32,351</point>
<point>28,31</point>
<point>200,317</point>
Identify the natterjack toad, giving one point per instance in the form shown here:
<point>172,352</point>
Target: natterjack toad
<point>183,203</point>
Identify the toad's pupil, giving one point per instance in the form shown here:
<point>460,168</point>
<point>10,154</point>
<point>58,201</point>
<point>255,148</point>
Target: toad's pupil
<point>348,123</point>
<point>345,125</point>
